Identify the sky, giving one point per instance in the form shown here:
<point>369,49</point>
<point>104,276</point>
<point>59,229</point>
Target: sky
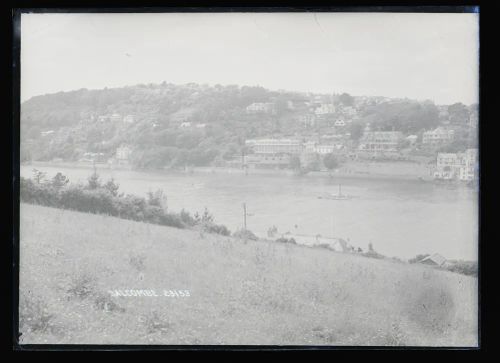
<point>419,56</point>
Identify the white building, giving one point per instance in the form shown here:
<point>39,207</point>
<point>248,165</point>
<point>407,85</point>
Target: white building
<point>129,119</point>
<point>327,149</point>
<point>185,125</point>
<point>275,146</point>
<point>349,111</point>
<point>380,140</point>
<point>308,120</point>
<point>340,123</point>
<point>412,139</point>
<point>325,109</point>
<point>115,117</point>
<point>123,154</point>
<point>261,107</point>
<point>461,166</point>
<point>437,136</point>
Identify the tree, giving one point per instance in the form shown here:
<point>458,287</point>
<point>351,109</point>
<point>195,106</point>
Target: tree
<point>330,161</point>
<point>157,198</point>
<point>39,176</point>
<point>59,181</point>
<point>295,162</point>
<point>356,130</point>
<point>112,187</point>
<point>459,114</point>
<point>94,181</point>
<point>346,99</point>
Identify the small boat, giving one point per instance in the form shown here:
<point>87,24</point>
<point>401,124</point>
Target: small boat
<point>338,196</point>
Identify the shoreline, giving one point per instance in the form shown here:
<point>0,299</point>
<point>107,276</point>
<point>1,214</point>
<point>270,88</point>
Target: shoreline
<point>345,173</point>
<point>390,171</point>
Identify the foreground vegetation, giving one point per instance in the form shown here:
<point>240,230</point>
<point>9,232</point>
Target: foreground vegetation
<point>240,291</point>
<point>104,198</point>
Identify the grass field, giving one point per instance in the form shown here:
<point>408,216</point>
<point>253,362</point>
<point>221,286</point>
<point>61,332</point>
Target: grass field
<point>254,292</point>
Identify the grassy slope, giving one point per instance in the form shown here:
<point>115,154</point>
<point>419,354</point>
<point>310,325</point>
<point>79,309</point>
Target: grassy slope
<point>241,293</point>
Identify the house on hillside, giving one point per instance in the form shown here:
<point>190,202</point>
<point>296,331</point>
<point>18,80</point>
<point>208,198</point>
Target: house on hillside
<point>115,117</point>
<point>123,154</point>
<point>129,119</point>
<point>438,136</point>
<point>412,139</point>
<point>261,107</point>
<point>380,140</point>
<point>340,123</point>
<point>324,109</point>
<point>433,260</point>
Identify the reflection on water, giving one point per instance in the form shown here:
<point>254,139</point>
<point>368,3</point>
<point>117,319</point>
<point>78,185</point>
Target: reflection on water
<point>400,218</point>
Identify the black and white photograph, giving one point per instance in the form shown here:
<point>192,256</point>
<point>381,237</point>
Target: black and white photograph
<point>249,178</point>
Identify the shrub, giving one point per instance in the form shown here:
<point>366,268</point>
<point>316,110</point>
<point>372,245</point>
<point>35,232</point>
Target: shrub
<point>372,254</point>
<point>37,193</point>
<point>153,214</point>
<point>245,234</point>
<point>418,258</point>
<point>94,181</point>
<point>59,181</point>
<point>216,228</point>
<point>156,198</point>
<point>112,187</point>
<point>286,240</point>
<point>172,220</point>
<point>104,199</point>
<point>468,268</point>
<point>187,219</point>
<point>34,315</point>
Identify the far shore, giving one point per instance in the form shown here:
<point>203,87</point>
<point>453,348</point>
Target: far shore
<point>383,170</point>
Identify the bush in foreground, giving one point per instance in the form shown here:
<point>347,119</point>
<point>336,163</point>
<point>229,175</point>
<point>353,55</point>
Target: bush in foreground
<point>103,198</point>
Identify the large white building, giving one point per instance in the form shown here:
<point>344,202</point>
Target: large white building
<point>275,146</point>
<point>438,136</point>
<point>461,166</point>
<point>380,140</point>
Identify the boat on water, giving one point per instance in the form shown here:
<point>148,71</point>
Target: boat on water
<point>338,196</point>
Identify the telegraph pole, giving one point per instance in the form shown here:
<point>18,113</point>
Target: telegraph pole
<point>245,216</point>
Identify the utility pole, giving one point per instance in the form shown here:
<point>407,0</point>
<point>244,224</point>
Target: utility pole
<point>245,215</point>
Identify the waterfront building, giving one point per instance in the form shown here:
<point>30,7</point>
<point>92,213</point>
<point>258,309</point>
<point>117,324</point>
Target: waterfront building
<point>275,146</point>
<point>380,140</point>
<point>459,166</point>
<point>269,161</point>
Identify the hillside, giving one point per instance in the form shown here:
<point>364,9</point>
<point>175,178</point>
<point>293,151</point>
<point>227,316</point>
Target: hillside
<point>151,119</point>
<point>240,293</point>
